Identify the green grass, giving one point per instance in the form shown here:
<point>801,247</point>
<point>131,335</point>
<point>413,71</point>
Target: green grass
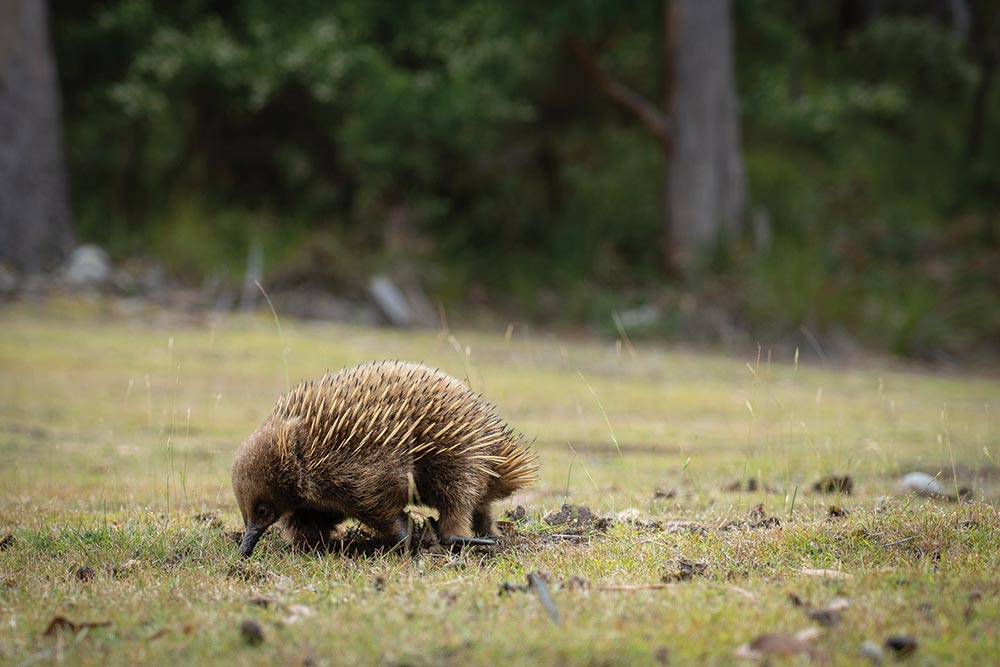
<point>118,423</point>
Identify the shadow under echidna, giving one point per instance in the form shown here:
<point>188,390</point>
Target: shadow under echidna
<point>367,442</point>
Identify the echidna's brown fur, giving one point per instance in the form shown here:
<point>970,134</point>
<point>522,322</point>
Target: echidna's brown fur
<point>367,442</point>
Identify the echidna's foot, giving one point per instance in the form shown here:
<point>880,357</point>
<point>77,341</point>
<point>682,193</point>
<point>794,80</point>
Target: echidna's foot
<point>309,530</point>
<point>454,529</point>
<point>454,522</point>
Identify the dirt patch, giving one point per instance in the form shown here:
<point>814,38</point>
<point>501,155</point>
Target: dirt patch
<point>751,485</point>
<point>683,569</point>
<point>834,512</point>
<point>209,519</point>
<point>251,573</point>
<point>756,519</point>
<point>570,518</point>
<point>516,514</point>
<point>834,484</point>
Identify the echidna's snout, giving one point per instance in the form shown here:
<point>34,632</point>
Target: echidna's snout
<point>250,537</point>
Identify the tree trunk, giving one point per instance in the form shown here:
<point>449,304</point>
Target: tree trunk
<point>35,226</point>
<point>704,183</point>
<point>697,128</point>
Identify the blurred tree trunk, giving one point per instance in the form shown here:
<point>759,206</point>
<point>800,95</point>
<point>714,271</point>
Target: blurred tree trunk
<point>35,225</point>
<point>984,40</point>
<point>704,184</point>
<point>697,128</point>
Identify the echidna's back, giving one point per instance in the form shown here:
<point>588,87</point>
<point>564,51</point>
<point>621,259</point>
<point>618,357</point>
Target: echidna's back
<point>392,411</point>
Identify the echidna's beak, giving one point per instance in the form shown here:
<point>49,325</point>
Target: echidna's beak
<point>250,537</point>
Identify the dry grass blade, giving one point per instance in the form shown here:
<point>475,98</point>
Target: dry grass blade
<point>62,624</point>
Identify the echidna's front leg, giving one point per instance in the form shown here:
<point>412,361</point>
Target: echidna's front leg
<point>482,521</point>
<point>455,528</point>
<point>395,530</point>
<point>308,529</point>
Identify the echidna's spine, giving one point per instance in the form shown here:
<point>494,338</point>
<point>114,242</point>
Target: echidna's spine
<point>401,409</point>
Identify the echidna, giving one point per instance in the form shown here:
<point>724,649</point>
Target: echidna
<point>370,440</point>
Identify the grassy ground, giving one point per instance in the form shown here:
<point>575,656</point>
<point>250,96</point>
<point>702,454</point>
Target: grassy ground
<point>118,423</point>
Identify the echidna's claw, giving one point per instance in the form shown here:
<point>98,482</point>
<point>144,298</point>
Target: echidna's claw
<point>462,541</point>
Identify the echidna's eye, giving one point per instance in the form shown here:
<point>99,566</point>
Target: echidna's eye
<point>261,510</point>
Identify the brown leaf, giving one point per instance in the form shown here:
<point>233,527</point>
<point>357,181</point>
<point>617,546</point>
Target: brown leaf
<point>828,616</point>
<point>62,624</point>
<point>774,644</point>
<point>260,601</point>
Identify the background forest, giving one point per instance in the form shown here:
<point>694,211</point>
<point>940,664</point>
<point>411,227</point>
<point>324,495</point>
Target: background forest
<point>477,148</point>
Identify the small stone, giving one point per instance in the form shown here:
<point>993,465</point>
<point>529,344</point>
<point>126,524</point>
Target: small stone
<point>251,632</point>
<point>920,484</point>
<point>87,265</point>
<point>871,651</point>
